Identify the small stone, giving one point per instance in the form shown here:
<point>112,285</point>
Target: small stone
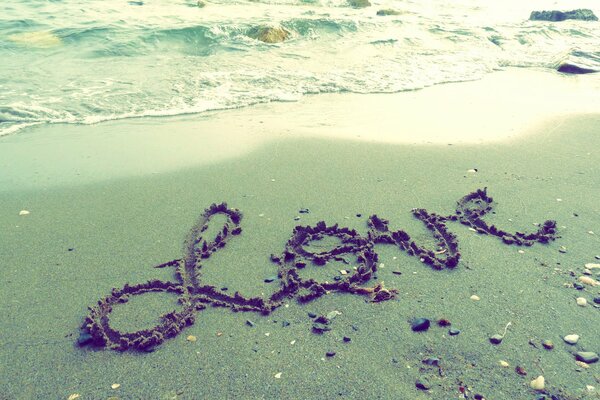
<point>432,361</point>
<point>191,338</point>
<point>548,345</point>
<point>520,370</point>
<point>331,315</point>
<point>571,339</point>
<point>74,396</point>
<point>597,299</point>
<point>581,301</point>
<point>304,211</point>
<point>24,212</point>
<point>590,388</point>
<point>320,328</point>
<point>420,324</point>
<point>453,332</point>
<point>472,170</point>
<point>330,354</point>
<point>562,249</point>
<point>586,280</point>
<point>346,339</point>
<point>538,383</point>
<point>578,286</point>
<point>285,323</point>
<point>496,339</point>
<point>296,218</point>
<point>343,272</point>
<point>592,266</point>
<point>312,315</point>
<point>201,4</point>
<point>278,375</point>
<point>422,384</point>
<point>249,323</point>
<point>475,297</point>
<point>587,357</point>
<point>581,364</point>
<point>271,279</point>
<point>115,386</point>
<point>504,364</point>
<point>521,251</point>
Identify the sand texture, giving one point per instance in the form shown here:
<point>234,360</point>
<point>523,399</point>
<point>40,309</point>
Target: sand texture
<point>81,240</point>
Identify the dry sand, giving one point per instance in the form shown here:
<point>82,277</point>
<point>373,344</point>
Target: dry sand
<point>121,225</point>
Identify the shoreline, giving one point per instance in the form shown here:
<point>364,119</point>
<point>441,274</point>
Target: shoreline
<point>48,155</point>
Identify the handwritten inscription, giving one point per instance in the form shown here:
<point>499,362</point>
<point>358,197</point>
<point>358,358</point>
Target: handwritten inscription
<point>193,296</point>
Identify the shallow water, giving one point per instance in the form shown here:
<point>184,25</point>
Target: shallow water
<point>84,62</point>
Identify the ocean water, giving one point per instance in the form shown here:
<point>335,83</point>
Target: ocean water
<point>75,61</point>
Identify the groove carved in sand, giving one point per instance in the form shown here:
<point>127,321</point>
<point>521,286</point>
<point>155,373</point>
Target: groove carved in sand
<point>193,296</point>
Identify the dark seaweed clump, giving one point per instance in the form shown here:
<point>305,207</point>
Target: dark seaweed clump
<point>193,296</point>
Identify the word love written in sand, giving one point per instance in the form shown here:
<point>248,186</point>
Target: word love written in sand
<point>193,296</point>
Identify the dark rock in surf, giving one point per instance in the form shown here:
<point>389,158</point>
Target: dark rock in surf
<point>269,34</point>
<point>581,14</point>
<point>567,68</point>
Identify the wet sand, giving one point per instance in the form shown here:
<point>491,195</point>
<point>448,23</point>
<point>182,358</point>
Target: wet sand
<point>83,238</point>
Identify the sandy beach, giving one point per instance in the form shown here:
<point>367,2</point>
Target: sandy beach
<point>108,202</point>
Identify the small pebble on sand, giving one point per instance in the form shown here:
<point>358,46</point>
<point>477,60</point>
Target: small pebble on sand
<point>74,396</point>
<point>581,364</point>
<point>586,280</point>
<point>521,251</point>
<point>587,357</point>
<point>538,383</point>
<point>571,339</point>
<point>278,375</point>
<point>475,298</point>
<point>192,338</point>
<point>548,345</point>
<point>115,386</point>
<point>24,212</point>
<point>592,266</point>
<point>504,364</point>
<point>581,301</point>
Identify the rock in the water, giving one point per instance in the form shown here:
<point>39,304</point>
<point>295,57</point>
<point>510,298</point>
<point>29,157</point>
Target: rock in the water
<point>201,4</point>
<point>538,383</point>
<point>359,3</point>
<point>453,332</point>
<point>422,384</point>
<point>388,11</point>
<point>23,212</point>
<point>581,301</point>
<point>571,339</point>
<point>496,339</point>
<point>567,68</point>
<point>581,14</point>
<point>420,324</point>
<point>587,357</point>
<point>269,34</point>
<point>597,299</point>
